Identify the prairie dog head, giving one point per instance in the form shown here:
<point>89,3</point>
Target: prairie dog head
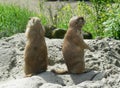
<point>76,22</point>
<point>34,27</point>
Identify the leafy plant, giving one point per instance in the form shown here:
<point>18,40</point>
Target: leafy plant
<point>13,19</point>
<point>100,7</point>
<point>112,24</point>
<point>64,15</point>
<point>44,18</point>
<point>59,19</point>
<point>87,11</point>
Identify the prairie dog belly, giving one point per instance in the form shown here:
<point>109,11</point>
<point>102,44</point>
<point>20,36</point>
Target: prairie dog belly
<point>73,46</point>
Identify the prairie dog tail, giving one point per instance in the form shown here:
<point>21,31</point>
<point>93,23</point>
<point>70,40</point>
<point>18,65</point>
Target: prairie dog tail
<point>61,72</point>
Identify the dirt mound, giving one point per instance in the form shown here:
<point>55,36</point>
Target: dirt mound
<point>103,63</point>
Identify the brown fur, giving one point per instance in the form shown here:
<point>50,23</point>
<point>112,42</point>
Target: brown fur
<point>73,47</point>
<point>35,55</point>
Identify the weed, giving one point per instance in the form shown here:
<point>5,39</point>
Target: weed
<point>13,19</point>
<point>112,24</point>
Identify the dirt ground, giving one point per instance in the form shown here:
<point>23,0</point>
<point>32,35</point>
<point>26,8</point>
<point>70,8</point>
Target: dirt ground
<point>33,5</point>
<point>30,4</point>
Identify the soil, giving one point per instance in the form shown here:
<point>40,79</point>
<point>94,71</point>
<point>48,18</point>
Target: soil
<point>33,5</point>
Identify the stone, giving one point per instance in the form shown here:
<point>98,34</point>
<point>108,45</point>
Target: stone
<point>102,64</point>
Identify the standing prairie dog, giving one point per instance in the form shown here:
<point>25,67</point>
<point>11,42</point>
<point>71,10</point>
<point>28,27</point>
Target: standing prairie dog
<point>35,56</point>
<point>73,47</point>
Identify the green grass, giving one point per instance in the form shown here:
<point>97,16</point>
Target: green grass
<point>97,14</point>
<point>65,12</point>
<point>13,19</point>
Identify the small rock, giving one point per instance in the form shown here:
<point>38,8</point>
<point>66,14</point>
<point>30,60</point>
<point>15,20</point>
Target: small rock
<point>50,85</point>
<point>98,76</point>
<point>58,33</point>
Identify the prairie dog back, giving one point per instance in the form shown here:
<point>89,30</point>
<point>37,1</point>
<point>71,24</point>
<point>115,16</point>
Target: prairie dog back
<point>35,56</point>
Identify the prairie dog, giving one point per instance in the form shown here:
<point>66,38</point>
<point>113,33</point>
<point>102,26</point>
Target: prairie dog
<point>73,47</point>
<point>35,56</point>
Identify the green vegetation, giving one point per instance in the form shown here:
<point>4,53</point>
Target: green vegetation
<point>102,17</point>
<point>13,19</point>
<point>97,14</point>
<point>112,24</point>
<point>63,14</point>
<point>107,17</point>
